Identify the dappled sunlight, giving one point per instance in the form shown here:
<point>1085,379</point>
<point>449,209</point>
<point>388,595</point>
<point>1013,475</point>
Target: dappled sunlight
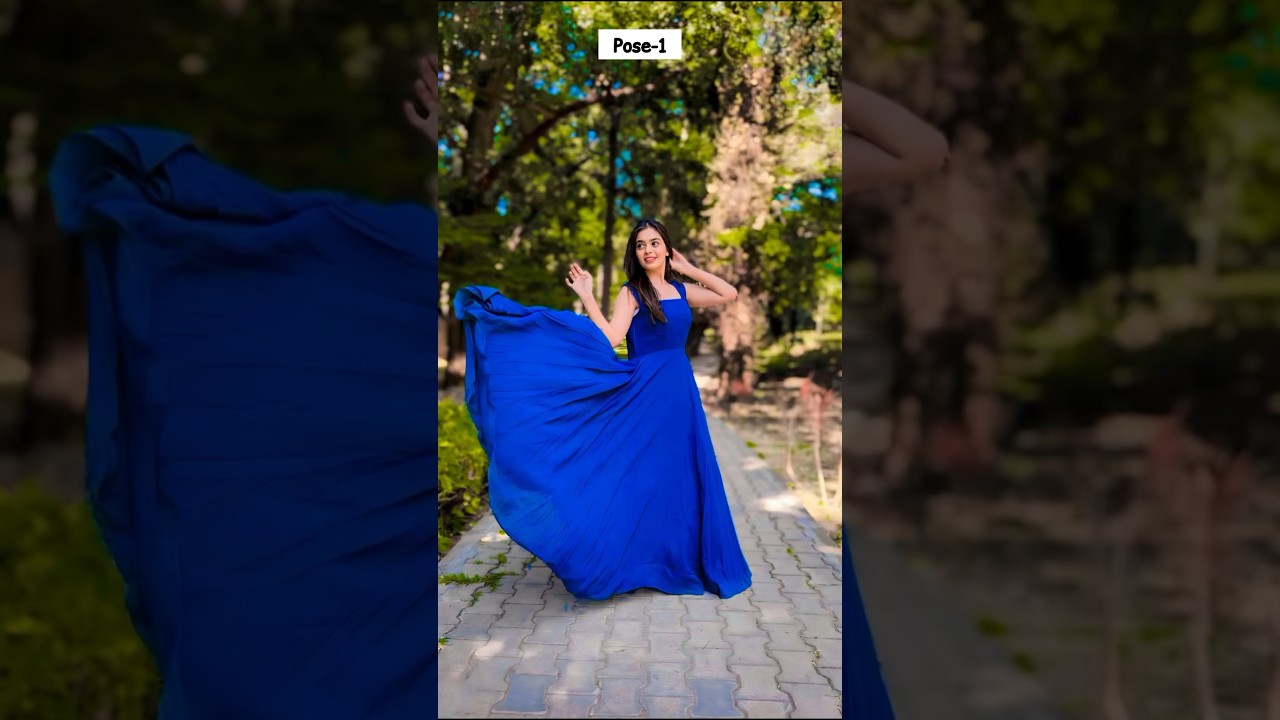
<point>781,504</point>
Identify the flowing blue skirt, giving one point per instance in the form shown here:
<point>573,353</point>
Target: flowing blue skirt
<point>865,697</point>
<point>601,467</point>
<point>260,446</point>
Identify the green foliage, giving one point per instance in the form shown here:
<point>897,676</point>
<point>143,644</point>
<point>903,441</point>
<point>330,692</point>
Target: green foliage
<point>67,646</point>
<point>1090,359</point>
<point>991,627</point>
<point>522,71</point>
<point>463,472</point>
<point>798,355</point>
<point>298,95</point>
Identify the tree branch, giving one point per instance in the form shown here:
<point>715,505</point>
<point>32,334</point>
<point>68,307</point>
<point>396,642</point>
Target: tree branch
<point>530,140</point>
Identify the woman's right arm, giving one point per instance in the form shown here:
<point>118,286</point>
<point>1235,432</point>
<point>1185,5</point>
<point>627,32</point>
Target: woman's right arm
<point>615,330</point>
<point>889,144</point>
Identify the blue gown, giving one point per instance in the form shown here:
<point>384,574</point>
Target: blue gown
<point>866,696</point>
<point>601,467</point>
<point>260,448</point>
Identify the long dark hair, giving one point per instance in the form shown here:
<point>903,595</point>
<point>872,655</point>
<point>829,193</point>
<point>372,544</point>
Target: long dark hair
<point>638,278</point>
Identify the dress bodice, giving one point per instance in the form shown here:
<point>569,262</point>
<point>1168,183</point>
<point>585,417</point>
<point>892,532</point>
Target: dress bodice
<point>647,335</point>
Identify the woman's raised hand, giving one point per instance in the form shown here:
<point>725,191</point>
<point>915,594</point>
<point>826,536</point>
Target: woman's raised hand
<point>579,281</point>
<point>427,88</point>
<point>680,263</point>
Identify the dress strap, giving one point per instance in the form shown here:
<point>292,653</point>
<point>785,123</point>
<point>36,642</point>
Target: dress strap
<point>680,289</point>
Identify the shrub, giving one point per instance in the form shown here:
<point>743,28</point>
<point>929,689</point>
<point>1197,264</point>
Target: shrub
<point>67,646</point>
<point>463,472</point>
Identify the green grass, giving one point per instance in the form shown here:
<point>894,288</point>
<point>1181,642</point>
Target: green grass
<point>489,580</point>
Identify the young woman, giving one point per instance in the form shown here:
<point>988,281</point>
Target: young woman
<point>259,452</point>
<point>602,467</point>
<point>884,144</point>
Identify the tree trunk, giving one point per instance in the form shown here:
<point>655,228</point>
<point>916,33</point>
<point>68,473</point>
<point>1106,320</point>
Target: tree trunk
<point>738,323</point>
<point>52,402</point>
<point>610,210</point>
<point>456,356</point>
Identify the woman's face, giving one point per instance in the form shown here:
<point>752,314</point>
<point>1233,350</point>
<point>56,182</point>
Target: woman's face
<point>650,250</point>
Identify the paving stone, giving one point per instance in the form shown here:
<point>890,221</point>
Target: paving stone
<point>584,646</point>
<point>766,589</point>
<point>819,627</point>
<point>516,616</point>
<point>627,633</point>
<point>474,626</point>
<point>469,704</point>
<point>742,624</point>
<point>528,594</point>
<point>711,663</point>
<point>806,603</point>
<point>667,621</point>
<point>667,679</point>
<point>455,657</point>
<point>666,707</point>
<point>808,560</point>
<point>569,706</point>
<point>798,667</point>
<point>786,638</point>
<point>593,620</point>
<point>660,602</point>
<point>738,603</point>
<point>775,613</point>
<point>558,606</point>
<point>706,635</point>
<point>577,677</point>
<point>834,675</point>
<point>504,642</point>
<point>626,662</point>
<point>537,575</point>
<point>765,708</point>
<point>550,631</point>
<point>486,602</point>
<point>629,609</point>
<point>538,659</point>
<point>525,694</point>
<point>796,584</point>
<point>749,651</point>
<point>618,698</point>
<point>812,701</point>
<point>489,673</point>
<point>759,682</point>
<point>702,609</point>
<point>830,653</point>
<point>822,576</point>
<point>714,698</point>
<point>668,647</point>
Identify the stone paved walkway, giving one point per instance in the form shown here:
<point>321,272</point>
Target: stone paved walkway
<point>529,648</point>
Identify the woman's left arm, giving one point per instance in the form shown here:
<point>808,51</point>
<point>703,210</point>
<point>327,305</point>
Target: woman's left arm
<point>711,289</point>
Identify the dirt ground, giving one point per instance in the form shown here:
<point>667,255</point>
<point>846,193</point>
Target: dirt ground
<point>770,421</point>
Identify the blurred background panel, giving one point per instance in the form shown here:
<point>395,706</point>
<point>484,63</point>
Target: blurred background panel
<point>300,94</point>
<point>1062,355</point>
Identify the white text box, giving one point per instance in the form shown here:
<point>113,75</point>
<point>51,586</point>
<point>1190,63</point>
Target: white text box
<point>640,45</point>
